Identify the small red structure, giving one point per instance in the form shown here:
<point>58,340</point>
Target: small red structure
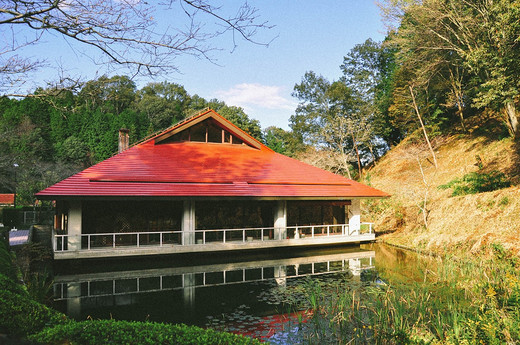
<point>202,181</point>
<point>6,199</point>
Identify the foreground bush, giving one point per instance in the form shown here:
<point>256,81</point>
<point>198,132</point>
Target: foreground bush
<point>7,284</point>
<point>130,332</point>
<point>21,316</point>
<point>6,264</point>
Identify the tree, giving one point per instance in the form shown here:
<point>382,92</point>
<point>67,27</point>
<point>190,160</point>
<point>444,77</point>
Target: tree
<point>120,33</point>
<point>74,151</point>
<point>331,117</point>
<point>164,103</point>
<point>282,141</point>
<point>362,69</point>
<point>310,114</point>
<point>113,94</point>
<point>470,46</point>
<point>384,124</point>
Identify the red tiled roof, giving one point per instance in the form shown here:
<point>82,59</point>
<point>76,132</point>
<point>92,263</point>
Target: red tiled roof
<point>186,169</point>
<point>6,199</point>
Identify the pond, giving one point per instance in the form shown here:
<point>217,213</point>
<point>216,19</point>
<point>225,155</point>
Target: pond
<point>257,295</point>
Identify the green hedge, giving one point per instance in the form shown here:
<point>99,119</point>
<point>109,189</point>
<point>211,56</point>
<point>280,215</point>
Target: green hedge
<point>107,332</point>
<point>21,316</point>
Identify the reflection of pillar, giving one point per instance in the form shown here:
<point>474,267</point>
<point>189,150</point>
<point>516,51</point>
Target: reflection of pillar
<point>188,222</point>
<point>355,267</point>
<point>74,300</point>
<point>354,217</point>
<point>74,226</point>
<point>280,274</point>
<point>280,220</point>
<point>188,291</point>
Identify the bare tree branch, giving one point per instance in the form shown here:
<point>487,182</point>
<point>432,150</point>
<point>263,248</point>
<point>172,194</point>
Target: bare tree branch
<point>125,33</point>
<point>423,128</point>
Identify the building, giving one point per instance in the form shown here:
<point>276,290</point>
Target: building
<point>203,185</point>
<point>6,200</point>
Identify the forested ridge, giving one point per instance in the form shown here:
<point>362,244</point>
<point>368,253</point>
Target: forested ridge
<point>445,67</point>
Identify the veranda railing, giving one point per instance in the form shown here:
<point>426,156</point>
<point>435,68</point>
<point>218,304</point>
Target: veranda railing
<point>177,237</point>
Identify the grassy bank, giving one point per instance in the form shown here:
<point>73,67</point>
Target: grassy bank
<point>427,211</point>
<point>468,301</point>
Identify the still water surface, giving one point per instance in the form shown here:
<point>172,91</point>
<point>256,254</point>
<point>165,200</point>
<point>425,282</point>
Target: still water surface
<point>257,295</point>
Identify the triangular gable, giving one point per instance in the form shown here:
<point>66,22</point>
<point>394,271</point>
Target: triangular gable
<point>190,130</point>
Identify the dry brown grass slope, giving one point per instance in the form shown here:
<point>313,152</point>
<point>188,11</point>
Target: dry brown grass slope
<point>452,224</point>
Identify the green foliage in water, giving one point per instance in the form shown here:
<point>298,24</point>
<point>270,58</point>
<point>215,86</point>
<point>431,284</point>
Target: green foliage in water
<point>477,182</point>
<point>457,302</point>
<point>108,332</point>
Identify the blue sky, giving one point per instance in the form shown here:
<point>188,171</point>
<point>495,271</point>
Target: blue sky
<point>310,35</point>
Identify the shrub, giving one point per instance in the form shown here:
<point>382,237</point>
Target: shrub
<point>7,284</point>
<point>6,261</point>
<point>131,332</point>
<point>504,201</point>
<point>21,316</point>
<point>476,182</point>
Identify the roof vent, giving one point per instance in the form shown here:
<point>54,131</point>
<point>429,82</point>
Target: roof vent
<point>124,141</point>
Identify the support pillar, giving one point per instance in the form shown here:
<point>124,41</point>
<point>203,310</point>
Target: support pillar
<point>74,226</point>
<point>354,217</point>
<point>188,223</point>
<point>280,220</point>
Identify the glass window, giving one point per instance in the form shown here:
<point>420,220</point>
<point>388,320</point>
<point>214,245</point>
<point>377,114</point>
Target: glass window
<point>198,132</point>
<point>214,133</point>
<point>227,137</point>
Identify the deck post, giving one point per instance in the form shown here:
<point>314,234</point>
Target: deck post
<point>188,222</point>
<point>74,226</point>
<point>354,217</point>
<point>280,220</point>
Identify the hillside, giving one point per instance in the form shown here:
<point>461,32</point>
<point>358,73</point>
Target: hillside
<point>454,223</point>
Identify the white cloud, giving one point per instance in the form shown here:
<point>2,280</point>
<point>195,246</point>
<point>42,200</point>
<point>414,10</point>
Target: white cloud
<point>256,96</point>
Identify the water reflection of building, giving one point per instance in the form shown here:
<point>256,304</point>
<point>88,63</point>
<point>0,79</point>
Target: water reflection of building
<point>203,185</point>
<point>118,288</point>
